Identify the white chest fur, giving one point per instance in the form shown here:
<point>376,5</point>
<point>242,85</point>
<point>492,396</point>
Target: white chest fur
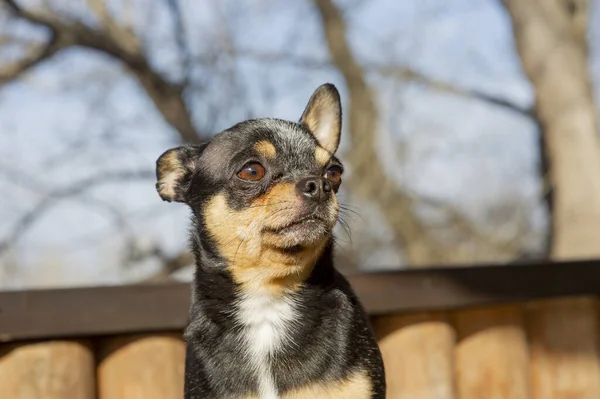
<point>267,320</point>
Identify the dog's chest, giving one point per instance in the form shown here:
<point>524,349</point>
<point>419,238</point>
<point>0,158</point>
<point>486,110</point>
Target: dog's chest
<point>267,322</point>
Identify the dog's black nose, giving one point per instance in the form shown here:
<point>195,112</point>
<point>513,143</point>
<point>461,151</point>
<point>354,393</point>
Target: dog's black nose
<point>315,188</point>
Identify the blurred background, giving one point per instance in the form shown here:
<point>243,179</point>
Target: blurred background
<point>470,126</point>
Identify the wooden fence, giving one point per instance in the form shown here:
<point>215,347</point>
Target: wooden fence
<point>522,331</point>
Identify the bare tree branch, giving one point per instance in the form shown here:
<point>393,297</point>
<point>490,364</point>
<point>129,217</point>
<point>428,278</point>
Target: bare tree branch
<point>37,54</point>
<point>123,36</point>
<point>170,264</point>
<point>369,180</point>
<point>411,74</point>
<point>551,39</point>
<point>166,96</point>
<point>410,233</point>
<point>398,71</point>
<point>21,178</point>
<point>74,189</point>
<point>180,38</point>
<point>460,221</point>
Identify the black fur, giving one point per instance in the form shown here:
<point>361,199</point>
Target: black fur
<point>331,337</point>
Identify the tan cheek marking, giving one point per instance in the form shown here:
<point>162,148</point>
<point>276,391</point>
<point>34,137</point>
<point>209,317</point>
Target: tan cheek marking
<point>253,261</point>
<point>358,386</point>
<point>280,203</point>
<point>236,233</point>
<point>169,171</point>
<point>322,155</point>
<point>265,148</point>
<point>222,223</point>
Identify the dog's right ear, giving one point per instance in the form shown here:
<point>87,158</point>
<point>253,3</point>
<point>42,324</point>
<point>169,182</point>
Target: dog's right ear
<point>174,171</point>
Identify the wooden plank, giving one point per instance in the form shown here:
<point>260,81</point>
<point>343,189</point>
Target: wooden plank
<point>142,366</point>
<point>47,370</point>
<point>453,288</point>
<point>93,311</point>
<point>565,358</point>
<point>164,307</point>
<point>492,358</point>
<point>417,353</point>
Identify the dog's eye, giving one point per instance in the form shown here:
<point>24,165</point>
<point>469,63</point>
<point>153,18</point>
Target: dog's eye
<point>334,174</point>
<point>252,171</point>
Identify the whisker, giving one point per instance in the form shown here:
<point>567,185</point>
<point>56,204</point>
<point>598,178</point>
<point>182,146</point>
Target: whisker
<point>343,212</point>
<point>345,242</point>
<point>337,244</point>
<point>237,249</point>
<point>348,207</point>
<point>345,208</point>
<point>346,228</point>
<point>349,210</point>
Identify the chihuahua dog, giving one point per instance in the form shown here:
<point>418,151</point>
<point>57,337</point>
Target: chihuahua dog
<point>270,316</point>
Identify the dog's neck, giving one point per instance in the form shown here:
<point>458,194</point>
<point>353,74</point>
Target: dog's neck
<point>263,269</point>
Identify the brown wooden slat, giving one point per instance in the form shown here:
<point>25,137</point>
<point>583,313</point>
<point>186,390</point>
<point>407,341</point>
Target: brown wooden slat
<point>417,352</point>
<point>141,366</point>
<point>162,307</point>
<point>492,356</point>
<point>565,353</point>
<point>47,370</point>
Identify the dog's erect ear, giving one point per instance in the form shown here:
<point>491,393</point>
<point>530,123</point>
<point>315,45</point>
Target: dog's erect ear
<point>323,116</point>
<point>174,170</point>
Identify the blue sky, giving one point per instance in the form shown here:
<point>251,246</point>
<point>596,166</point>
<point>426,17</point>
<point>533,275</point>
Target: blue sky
<point>470,154</point>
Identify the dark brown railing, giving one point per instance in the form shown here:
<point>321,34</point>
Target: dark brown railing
<point>499,331</point>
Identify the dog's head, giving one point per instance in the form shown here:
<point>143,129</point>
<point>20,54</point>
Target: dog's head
<point>263,191</point>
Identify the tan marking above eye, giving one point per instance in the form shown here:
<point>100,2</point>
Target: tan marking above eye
<point>322,155</point>
<point>266,149</point>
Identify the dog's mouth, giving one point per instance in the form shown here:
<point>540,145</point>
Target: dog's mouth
<point>298,233</point>
<point>307,222</point>
<point>302,223</point>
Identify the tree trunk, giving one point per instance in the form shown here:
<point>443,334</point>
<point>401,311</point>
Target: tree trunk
<point>551,39</point>
<point>369,180</point>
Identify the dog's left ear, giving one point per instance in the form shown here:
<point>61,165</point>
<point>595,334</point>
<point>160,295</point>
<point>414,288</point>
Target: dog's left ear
<point>174,171</point>
<point>323,117</point>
